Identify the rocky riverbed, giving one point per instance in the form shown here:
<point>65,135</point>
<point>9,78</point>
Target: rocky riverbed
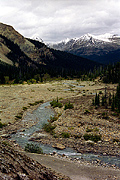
<point>76,122</point>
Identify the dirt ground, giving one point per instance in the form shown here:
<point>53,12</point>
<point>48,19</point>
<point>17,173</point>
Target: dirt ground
<point>77,171</point>
<point>14,97</point>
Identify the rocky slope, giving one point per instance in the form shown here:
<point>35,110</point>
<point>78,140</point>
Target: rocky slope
<point>16,165</point>
<point>103,48</point>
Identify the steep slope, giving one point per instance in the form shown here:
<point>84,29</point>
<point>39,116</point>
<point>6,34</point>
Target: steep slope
<point>104,49</point>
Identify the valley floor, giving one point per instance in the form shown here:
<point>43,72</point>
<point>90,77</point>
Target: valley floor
<point>15,100</point>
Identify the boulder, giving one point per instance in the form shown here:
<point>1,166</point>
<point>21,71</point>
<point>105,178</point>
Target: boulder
<point>58,146</point>
<point>36,136</point>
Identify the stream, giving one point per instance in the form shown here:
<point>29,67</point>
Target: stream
<point>40,117</point>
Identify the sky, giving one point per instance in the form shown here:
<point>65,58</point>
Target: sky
<point>56,20</point>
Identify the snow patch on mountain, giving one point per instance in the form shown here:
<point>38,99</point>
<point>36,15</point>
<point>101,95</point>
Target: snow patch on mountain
<point>37,38</point>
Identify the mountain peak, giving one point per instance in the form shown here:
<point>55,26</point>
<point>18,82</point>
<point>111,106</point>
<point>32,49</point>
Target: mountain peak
<point>37,38</point>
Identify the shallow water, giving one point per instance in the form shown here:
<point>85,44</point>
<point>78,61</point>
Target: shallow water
<point>40,117</point>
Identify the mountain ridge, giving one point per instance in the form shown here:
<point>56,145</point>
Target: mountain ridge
<point>96,48</point>
<point>28,57</point>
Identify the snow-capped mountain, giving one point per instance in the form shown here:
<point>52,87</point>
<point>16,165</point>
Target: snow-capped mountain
<point>37,38</point>
<point>101,48</point>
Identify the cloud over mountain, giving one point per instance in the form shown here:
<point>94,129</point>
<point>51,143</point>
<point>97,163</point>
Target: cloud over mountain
<point>55,20</point>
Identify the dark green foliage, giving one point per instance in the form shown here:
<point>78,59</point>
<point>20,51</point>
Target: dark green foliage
<point>49,128</point>
<point>56,103</point>
<point>116,140</point>
<point>97,100</point>
<point>33,148</point>
<point>36,103</point>
<point>24,108</point>
<point>87,111</point>
<point>2,125</point>
<point>89,130</point>
<point>117,98</point>
<point>52,119</point>
<point>112,73</point>
<point>105,115</point>
<point>18,117</point>
<point>65,135</point>
<point>110,99</point>
<point>104,101</point>
<point>92,137</point>
<point>68,106</point>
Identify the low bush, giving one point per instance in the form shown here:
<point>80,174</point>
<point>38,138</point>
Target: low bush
<point>18,117</point>
<point>2,125</point>
<point>65,135</point>
<point>24,108</point>
<point>92,137</point>
<point>105,115</point>
<point>36,103</point>
<point>54,118</point>
<point>87,111</point>
<point>49,128</point>
<point>116,140</point>
<point>68,106</point>
<point>89,130</point>
<point>33,148</point>
<point>56,103</point>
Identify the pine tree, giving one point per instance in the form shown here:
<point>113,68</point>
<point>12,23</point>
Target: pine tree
<point>113,103</point>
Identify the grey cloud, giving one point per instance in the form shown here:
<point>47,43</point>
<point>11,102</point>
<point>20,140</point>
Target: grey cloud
<point>55,20</point>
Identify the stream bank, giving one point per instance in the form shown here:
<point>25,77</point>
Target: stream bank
<point>39,117</point>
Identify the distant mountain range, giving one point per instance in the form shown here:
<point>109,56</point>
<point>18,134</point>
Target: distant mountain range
<point>29,56</point>
<point>104,48</point>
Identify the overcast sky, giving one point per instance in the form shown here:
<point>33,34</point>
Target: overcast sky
<point>55,20</point>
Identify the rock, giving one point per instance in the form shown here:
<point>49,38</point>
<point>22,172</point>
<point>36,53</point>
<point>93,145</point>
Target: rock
<point>89,142</point>
<point>37,136</point>
<point>5,135</point>
<point>58,146</point>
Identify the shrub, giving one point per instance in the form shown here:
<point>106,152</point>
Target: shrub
<point>92,137</point>
<point>33,148</point>
<point>89,130</point>
<point>54,118</point>
<point>68,106</point>
<point>76,136</point>
<point>56,103</point>
<point>2,125</point>
<point>24,108</point>
<point>49,128</point>
<point>65,135</point>
<point>105,115</point>
<point>87,111</point>
<point>95,129</point>
<point>116,140</point>
<point>18,117</point>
